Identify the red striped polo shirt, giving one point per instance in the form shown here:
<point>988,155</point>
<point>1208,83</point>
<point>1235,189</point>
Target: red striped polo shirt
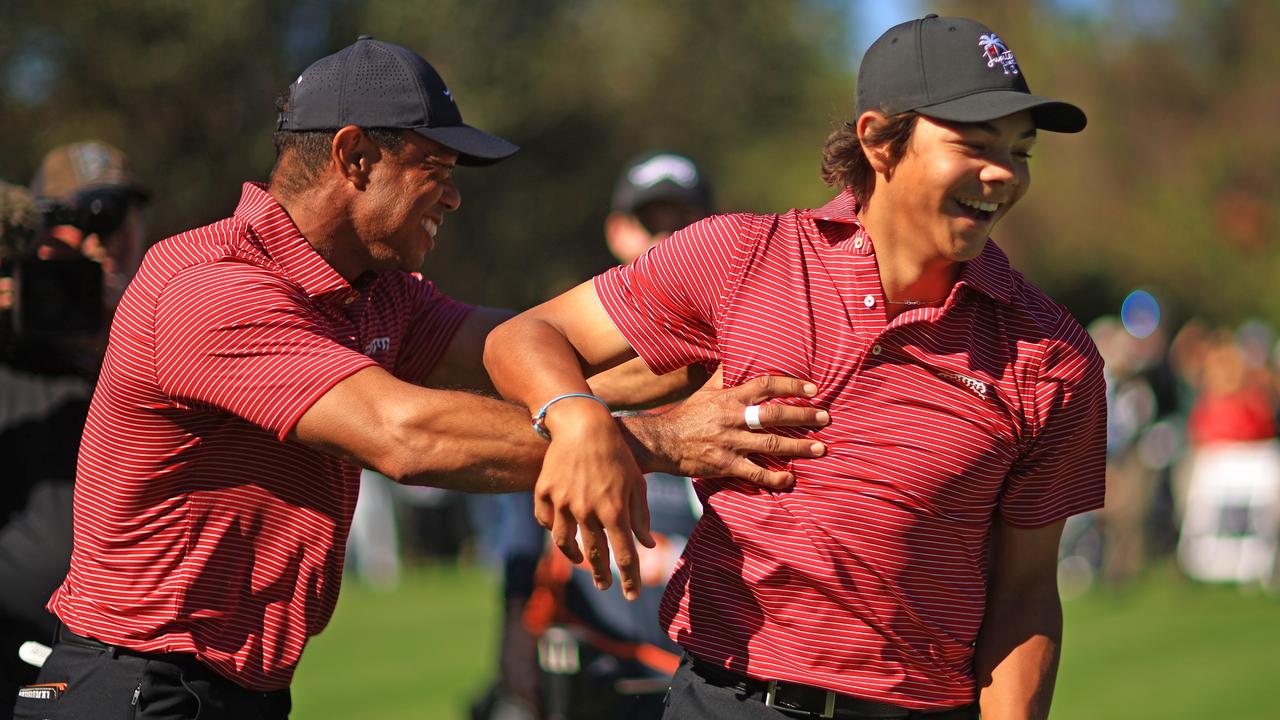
<point>869,577</point>
<point>198,527</point>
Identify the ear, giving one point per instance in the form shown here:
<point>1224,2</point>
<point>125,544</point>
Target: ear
<point>353,154</point>
<point>877,155</point>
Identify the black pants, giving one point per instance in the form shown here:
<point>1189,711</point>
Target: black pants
<point>84,679</point>
<point>695,697</point>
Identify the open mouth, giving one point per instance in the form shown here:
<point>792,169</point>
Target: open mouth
<point>978,210</point>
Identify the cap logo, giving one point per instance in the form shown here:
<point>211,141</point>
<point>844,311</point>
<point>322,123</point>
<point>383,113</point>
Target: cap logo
<point>995,51</point>
<point>664,167</point>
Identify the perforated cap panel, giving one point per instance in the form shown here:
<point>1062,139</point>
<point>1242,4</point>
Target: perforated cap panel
<point>377,84</point>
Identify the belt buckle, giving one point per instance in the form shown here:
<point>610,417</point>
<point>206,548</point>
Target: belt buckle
<point>771,698</point>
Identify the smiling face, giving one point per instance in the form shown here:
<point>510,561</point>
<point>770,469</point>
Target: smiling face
<point>953,184</point>
<point>408,191</point>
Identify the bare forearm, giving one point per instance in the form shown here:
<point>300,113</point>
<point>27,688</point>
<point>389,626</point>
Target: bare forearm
<point>1017,654</point>
<point>632,385</point>
<point>481,445</point>
<point>417,435</point>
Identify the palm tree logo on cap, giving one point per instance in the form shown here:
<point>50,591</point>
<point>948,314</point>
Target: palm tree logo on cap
<point>995,51</point>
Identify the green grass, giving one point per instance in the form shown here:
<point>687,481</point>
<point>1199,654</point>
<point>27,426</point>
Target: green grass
<point>421,652</point>
<point>1169,648</point>
<point>1162,648</point>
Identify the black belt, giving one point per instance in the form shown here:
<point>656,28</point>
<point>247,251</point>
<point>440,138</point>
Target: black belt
<point>183,660</point>
<point>800,700</point>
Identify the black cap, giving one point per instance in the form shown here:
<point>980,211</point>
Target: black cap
<point>953,69</point>
<point>374,84</point>
<point>661,176</point>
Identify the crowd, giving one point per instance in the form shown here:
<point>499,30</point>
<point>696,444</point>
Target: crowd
<point>1193,462</point>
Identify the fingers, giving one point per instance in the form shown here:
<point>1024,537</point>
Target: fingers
<point>595,541</point>
<point>628,560</point>
<point>775,416</point>
<point>564,534</point>
<point>753,473</point>
<point>774,386</point>
<point>639,505</point>
<point>778,446</point>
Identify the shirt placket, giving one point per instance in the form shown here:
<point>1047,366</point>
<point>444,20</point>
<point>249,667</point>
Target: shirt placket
<point>868,305</point>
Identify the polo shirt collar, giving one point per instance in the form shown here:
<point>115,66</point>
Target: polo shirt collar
<point>283,242</point>
<point>989,273</point>
<point>843,208</point>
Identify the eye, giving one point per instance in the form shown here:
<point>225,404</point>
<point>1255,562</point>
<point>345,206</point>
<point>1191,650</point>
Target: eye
<point>1022,154</point>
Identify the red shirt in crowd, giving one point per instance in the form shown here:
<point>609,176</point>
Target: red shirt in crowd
<point>869,577</point>
<point>198,528</point>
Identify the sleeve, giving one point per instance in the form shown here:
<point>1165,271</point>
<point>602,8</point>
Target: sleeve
<point>1063,470</point>
<point>433,321</point>
<point>260,351</point>
<point>667,303</point>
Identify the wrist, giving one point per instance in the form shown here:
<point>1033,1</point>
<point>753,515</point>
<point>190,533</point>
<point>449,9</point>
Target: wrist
<point>645,436</point>
<point>582,405</point>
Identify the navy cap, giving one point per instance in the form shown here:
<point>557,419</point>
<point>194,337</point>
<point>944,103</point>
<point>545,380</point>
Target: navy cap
<point>375,84</point>
<point>953,69</point>
<point>661,176</point>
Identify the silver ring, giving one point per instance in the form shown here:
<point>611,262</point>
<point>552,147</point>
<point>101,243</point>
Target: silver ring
<point>751,414</point>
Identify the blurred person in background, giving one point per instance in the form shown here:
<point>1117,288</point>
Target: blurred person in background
<point>63,271</point>
<point>1141,399</point>
<point>1230,480</point>
<point>911,570</point>
<point>656,194</point>
<point>257,363</point>
<point>1236,398</point>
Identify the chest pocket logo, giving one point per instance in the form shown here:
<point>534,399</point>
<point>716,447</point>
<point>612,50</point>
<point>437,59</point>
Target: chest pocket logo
<point>377,345</point>
<point>978,387</point>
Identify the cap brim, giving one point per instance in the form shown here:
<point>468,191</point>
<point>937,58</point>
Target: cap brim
<point>474,147</point>
<point>1046,113</point>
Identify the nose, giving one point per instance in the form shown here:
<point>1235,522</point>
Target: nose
<point>999,173</point>
<point>1002,170</point>
<point>451,198</point>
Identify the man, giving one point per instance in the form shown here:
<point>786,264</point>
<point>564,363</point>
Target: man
<point>255,364</point>
<point>910,571</point>
<point>656,194</point>
<point>87,228</point>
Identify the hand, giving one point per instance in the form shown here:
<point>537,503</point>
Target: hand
<point>590,483</point>
<point>707,435</point>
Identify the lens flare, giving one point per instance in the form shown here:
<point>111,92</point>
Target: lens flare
<point>1140,313</point>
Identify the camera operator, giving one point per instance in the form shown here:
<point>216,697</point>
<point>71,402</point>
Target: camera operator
<point>67,251</point>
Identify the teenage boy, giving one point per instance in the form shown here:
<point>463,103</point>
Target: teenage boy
<point>911,570</point>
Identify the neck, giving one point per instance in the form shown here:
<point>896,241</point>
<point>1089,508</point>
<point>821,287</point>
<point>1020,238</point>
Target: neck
<point>909,274</point>
<point>319,216</point>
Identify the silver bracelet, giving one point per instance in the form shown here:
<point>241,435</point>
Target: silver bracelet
<point>540,417</point>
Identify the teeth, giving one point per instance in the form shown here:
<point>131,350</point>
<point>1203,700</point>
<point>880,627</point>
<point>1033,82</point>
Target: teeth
<point>978,204</point>
<point>430,226</point>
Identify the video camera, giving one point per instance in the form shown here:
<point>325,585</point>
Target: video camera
<point>59,295</point>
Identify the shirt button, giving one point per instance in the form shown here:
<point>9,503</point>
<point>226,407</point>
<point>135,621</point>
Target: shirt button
<point>348,299</point>
<point>869,301</point>
<point>876,349</point>
<point>857,242</point>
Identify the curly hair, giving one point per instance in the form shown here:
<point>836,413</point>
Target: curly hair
<point>19,220</point>
<point>844,164</point>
